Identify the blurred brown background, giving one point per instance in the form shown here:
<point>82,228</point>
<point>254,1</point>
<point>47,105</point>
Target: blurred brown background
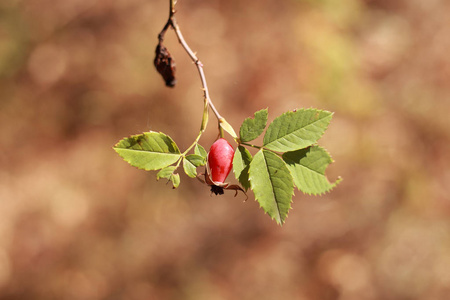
<point>77,222</point>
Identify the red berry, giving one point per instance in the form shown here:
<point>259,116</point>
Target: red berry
<point>220,160</point>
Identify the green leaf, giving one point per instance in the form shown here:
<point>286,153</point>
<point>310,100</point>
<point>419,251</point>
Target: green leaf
<point>199,150</point>
<point>175,180</point>
<point>296,130</point>
<point>307,167</point>
<point>168,173</point>
<point>189,168</point>
<point>165,172</point>
<point>196,160</point>
<point>272,184</point>
<point>241,164</point>
<point>148,151</point>
<point>191,162</point>
<point>252,128</point>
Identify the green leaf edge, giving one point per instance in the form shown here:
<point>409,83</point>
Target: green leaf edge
<point>199,150</point>
<point>121,150</point>
<point>307,142</point>
<point>331,185</point>
<point>168,173</point>
<point>281,218</point>
<point>189,168</point>
<point>190,164</point>
<point>241,173</point>
<point>251,128</point>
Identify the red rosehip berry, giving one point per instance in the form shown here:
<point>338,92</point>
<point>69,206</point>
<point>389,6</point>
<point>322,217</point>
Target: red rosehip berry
<point>220,160</point>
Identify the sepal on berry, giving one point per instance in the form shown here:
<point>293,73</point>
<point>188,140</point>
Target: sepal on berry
<point>218,187</point>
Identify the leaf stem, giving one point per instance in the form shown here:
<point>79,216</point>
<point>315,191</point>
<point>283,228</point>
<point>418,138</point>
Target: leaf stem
<point>193,144</point>
<point>183,155</point>
<point>250,145</point>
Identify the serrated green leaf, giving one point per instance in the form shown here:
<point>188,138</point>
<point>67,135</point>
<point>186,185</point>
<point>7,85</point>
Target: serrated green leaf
<point>199,150</point>
<point>241,164</point>
<point>296,130</point>
<point>307,167</point>
<point>175,180</point>
<point>252,128</point>
<point>148,151</point>
<point>165,172</point>
<point>189,168</point>
<point>168,173</point>
<point>191,162</point>
<point>272,184</point>
<point>196,160</point>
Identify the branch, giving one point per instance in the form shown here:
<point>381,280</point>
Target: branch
<point>173,23</point>
<point>199,65</point>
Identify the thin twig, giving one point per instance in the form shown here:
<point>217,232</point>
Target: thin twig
<point>199,65</point>
<point>173,23</point>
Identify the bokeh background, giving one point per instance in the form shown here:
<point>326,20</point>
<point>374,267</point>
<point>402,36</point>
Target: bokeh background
<point>77,222</point>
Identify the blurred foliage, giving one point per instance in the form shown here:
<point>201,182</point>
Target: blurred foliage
<point>79,223</point>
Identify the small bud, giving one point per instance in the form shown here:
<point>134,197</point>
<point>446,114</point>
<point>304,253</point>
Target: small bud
<point>165,65</point>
